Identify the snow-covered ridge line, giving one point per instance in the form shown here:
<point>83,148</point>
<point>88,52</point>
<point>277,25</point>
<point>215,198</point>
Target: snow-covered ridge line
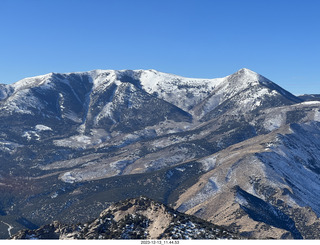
<point>31,82</point>
<point>34,80</point>
<point>180,91</point>
<point>94,73</point>
<point>151,80</point>
<point>197,96</point>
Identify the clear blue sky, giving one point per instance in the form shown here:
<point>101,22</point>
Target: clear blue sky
<point>279,39</point>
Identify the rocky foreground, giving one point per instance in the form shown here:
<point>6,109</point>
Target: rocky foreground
<point>137,218</point>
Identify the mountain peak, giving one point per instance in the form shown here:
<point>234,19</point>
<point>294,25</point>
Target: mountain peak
<point>245,72</point>
<point>248,77</point>
<point>244,78</point>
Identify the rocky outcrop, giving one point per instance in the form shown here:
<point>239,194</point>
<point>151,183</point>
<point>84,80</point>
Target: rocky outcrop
<point>138,218</point>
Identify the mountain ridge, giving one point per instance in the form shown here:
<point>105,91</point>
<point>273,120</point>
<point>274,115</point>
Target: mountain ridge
<point>188,93</point>
<point>76,140</point>
<point>136,218</point>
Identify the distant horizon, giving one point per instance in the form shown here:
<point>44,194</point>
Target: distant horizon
<point>190,38</point>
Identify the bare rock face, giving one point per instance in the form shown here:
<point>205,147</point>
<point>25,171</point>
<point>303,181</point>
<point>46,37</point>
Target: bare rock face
<point>138,218</point>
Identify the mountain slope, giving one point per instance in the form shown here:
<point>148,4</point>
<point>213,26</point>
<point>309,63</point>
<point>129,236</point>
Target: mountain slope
<point>72,143</point>
<point>273,179</point>
<point>244,92</point>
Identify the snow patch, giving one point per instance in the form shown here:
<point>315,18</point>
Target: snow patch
<point>311,103</point>
<point>31,135</point>
<point>41,127</point>
<point>8,146</point>
<point>102,79</point>
<point>253,100</point>
<point>96,169</point>
<point>180,91</point>
<point>68,178</point>
<point>209,163</point>
<point>54,195</point>
<point>317,115</point>
<point>181,169</point>
<point>81,141</point>
<point>241,200</point>
<point>273,122</point>
<point>77,141</point>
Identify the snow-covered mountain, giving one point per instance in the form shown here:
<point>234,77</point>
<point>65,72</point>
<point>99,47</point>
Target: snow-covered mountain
<point>185,93</point>
<point>85,139</point>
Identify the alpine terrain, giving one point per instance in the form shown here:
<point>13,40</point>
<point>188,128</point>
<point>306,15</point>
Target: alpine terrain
<point>138,218</point>
<point>239,152</point>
